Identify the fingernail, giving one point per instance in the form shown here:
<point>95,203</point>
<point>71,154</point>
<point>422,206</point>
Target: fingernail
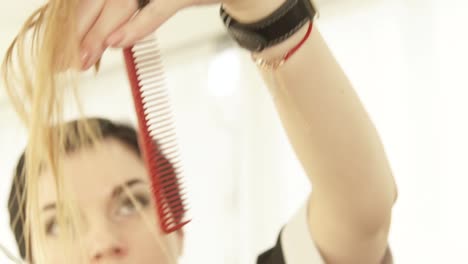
<point>115,39</point>
<point>84,57</point>
<point>89,62</point>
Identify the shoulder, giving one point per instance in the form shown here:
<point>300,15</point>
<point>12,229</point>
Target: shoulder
<point>294,244</point>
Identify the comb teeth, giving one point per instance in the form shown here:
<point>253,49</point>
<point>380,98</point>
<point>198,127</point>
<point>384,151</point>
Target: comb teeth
<point>157,132</point>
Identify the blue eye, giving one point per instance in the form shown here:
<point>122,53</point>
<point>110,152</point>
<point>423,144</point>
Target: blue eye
<point>51,227</point>
<point>128,207</point>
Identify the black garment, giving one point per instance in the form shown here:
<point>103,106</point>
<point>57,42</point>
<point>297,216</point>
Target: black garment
<point>275,255</point>
<point>272,256</point>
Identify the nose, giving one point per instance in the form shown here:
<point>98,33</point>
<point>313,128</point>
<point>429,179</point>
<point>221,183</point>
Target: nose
<point>105,254</point>
<point>104,243</point>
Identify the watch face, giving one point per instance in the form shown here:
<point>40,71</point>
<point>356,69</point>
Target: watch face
<point>248,40</point>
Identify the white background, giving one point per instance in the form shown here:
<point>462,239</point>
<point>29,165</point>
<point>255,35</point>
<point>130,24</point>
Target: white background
<point>408,62</point>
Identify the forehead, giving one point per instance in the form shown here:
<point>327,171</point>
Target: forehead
<point>92,173</point>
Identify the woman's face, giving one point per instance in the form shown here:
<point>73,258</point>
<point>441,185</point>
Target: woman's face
<point>113,230</point>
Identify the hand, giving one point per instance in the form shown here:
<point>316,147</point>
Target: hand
<point>104,23</point>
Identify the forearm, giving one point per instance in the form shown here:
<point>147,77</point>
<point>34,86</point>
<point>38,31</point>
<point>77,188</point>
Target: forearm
<point>329,128</point>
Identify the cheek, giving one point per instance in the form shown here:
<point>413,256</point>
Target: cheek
<point>145,242</point>
<point>59,253</point>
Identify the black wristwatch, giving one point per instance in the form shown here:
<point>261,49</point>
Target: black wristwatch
<point>272,30</point>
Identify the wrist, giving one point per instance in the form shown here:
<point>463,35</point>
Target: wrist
<point>276,30</point>
<point>279,50</point>
<point>251,10</point>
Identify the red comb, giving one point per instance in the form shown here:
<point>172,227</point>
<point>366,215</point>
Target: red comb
<point>157,134</point>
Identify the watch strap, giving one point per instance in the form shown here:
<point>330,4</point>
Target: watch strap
<point>273,29</point>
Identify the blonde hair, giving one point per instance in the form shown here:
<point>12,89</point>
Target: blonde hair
<point>39,72</point>
<point>38,68</point>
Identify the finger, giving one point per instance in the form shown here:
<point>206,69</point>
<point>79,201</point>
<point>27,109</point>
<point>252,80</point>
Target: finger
<point>144,23</point>
<point>114,14</point>
<point>88,12</point>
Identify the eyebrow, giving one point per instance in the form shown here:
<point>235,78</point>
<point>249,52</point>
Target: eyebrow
<point>49,207</point>
<point>115,193</point>
<point>120,189</point>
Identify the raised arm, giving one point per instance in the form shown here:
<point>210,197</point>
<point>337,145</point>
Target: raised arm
<point>337,144</point>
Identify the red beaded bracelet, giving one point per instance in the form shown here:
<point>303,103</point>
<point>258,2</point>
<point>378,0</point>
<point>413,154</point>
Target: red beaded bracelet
<point>276,63</point>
